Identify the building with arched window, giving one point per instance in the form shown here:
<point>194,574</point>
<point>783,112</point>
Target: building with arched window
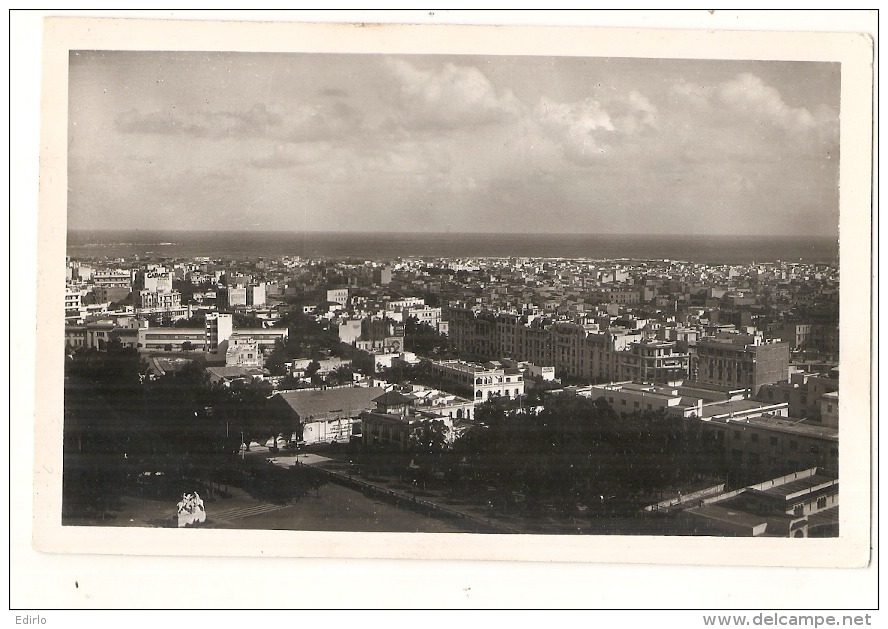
<point>481,382</point>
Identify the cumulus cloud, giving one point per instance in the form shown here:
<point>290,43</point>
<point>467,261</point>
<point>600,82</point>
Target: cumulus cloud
<point>588,129</point>
<point>452,96</point>
<point>748,92</point>
<point>579,127</point>
<point>748,96</point>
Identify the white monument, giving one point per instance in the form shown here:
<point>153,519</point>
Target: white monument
<point>191,510</point>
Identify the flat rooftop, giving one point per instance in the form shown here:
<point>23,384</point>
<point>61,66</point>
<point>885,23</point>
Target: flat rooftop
<point>736,406</point>
<point>790,425</point>
<point>799,486</point>
<point>734,517</point>
<point>638,387</point>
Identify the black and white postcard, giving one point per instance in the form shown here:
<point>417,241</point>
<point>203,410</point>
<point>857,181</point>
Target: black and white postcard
<point>556,294</point>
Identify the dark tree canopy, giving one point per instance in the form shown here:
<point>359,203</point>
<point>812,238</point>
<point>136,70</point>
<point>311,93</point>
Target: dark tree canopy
<point>423,339</point>
<point>120,423</point>
<point>428,437</point>
<point>577,450</point>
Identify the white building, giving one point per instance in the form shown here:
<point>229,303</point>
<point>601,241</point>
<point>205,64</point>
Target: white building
<point>338,295</point>
<point>425,314</point>
<point>484,381</point>
<point>243,351</point>
<point>219,327</point>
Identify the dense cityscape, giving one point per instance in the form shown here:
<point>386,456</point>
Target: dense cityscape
<point>479,394</point>
<point>493,293</point>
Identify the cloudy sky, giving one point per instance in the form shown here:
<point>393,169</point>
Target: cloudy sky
<point>302,142</point>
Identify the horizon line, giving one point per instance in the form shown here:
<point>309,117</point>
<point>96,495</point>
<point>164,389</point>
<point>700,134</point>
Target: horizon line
<point>445,233</point>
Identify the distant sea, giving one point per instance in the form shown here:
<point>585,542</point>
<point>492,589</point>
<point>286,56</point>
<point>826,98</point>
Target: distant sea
<point>721,249</point>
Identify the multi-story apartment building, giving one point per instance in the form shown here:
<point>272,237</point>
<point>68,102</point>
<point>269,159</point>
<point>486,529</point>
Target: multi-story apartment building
<point>154,281</point>
<point>406,302</point>
<point>575,349</point>
<point>653,361</point>
<point>524,338</point>
<point>73,303</point>
<point>103,294</point>
<point>473,336</point>
<point>256,295</point>
<point>113,279</point>
<point>803,392</point>
<point>242,296</point>
<point>742,360</point>
<point>338,295</point>
<point>568,348</point>
<point>381,335</point>
<point>160,300</point>
<point>231,297</point>
<point>798,335</point>
<point>424,314</point>
<point>616,295</point>
<point>72,299</point>
<point>821,337</point>
<point>218,328</point>
<point>605,349</point>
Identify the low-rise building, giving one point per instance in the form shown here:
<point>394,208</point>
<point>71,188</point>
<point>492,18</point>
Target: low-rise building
<point>233,373</point>
<point>482,382</point>
<point>758,447</point>
<point>804,503</point>
<point>94,335</point>
<point>171,338</point>
<point>393,431</point>
<point>374,361</point>
<point>266,338</point>
<point>243,351</point>
<point>633,397</point>
<point>350,331</point>
<point>324,415</point>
